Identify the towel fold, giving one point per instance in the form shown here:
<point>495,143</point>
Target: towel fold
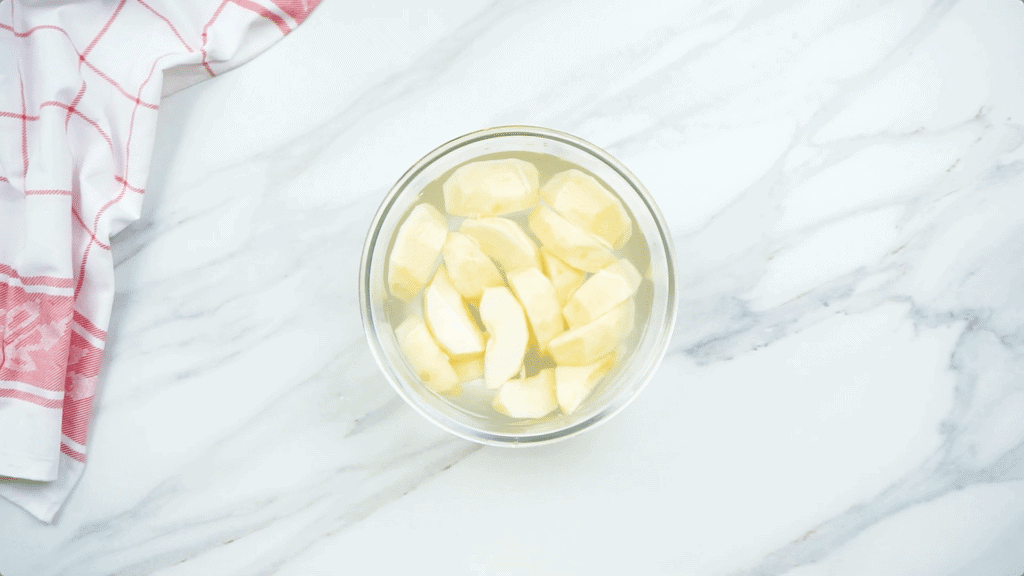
<point>80,88</point>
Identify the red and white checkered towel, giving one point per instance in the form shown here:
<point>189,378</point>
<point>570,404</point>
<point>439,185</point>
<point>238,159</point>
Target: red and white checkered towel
<point>80,87</point>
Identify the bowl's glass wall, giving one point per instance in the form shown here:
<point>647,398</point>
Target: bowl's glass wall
<point>629,375</point>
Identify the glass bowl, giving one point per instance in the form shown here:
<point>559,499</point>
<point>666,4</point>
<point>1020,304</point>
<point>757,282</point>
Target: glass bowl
<point>657,296</point>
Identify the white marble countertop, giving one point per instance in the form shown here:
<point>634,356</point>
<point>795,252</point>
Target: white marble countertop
<point>845,390</point>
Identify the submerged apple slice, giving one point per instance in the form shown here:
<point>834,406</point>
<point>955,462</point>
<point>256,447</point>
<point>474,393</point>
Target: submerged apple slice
<point>531,397</point>
<point>503,241</point>
<point>449,319</point>
<point>573,384</point>
<point>491,188</point>
<point>507,335</point>
<point>605,290</point>
<point>469,369</point>
<point>537,295</point>
<point>426,357</point>
<point>582,200</point>
<point>417,245</point>
<point>470,269</point>
<point>564,278</point>
<point>579,248</point>
<point>586,344</point>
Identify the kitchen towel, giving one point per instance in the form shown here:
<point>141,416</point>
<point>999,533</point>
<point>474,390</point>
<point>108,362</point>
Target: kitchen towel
<point>80,88</point>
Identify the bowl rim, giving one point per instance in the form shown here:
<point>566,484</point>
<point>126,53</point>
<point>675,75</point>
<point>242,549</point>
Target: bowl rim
<point>616,405</point>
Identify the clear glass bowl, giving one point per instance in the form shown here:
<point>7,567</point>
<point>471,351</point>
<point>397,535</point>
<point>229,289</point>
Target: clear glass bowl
<point>630,374</point>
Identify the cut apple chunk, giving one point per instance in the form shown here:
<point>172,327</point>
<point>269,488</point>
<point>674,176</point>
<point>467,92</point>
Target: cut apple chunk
<point>605,290</point>
<point>469,369</point>
<point>564,278</point>
<point>582,200</point>
<point>424,355</point>
<point>503,241</point>
<point>537,295</point>
<point>577,247</point>
<point>586,344</point>
<point>574,384</point>
<point>491,188</point>
<point>414,254</point>
<point>470,269</point>
<point>448,317</point>
<point>532,397</point>
<point>508,336</point>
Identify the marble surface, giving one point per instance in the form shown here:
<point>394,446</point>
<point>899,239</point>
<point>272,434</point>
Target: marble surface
<point>845,390</point>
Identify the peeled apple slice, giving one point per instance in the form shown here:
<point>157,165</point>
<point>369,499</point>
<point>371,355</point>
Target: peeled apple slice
<point>491,188</point>
<point>573,384</point>
<point>417,245</point>
<point>577,247</point>
<point>564,278</point>
<point>426,357</point>
<point>469,369</point>
<point>588,343</point>
<point>582,200</point>
<point>537,295</point>
<point>469,268</point>
<point>531,397</point>
<point>603,291</point>
<point>503,241</point>
<point>507,335</point>
<point>448,318</point>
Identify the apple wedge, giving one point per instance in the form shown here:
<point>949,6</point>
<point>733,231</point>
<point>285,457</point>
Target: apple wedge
<point>537,295</point>
<point>426,357</point>
<point>531,397</point>
<point>469,369</point>
<point>503,241</point>
<point>417,245</point>
<point>586,344</point>
<point>491,188</point>
<point>564,278</point>
<point>508,336</point>
<point>577,247</point>
<point>574,384</point>
<point>605,290</point>
<point>582,200</point>
<point>469,268</point>
<point>448,318</point>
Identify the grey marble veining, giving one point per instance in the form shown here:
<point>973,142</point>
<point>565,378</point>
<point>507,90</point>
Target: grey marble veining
<point>843,393</point>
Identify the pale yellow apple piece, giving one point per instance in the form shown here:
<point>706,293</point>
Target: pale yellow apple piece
<point>470,368</point>
<point>531,397</point>
<point>414,254</point>
<point>586,344</point>
<point>491,188</point>
<point>470,269</point>
<point>582,200</point>
<point>605,290</point>
<point>426,357</point>
<point>508,336</point>
<point>448,317</point>
<point>574,384</point>
<point>565,278</point>
<point>537,295</point>
<point>503,241</point>
<point>577,247</point>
